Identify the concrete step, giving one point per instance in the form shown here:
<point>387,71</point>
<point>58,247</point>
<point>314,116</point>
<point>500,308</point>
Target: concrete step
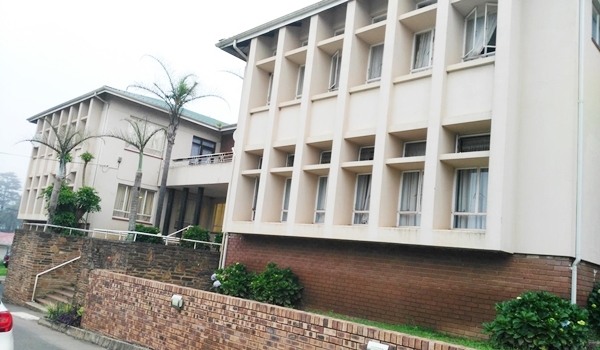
<point>58,298</point>
<point>71,289</point>
<point>32,305</point>
<point>65,293</point>
<point>44,302</point>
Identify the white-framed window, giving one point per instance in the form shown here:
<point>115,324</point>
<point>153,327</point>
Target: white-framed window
<point>424,3</point>
<point>300,82</point>
<point>325,157</point>
<point>379,18</point>
<point>480,32</point>
<point>472,143</point>
<point>423,50</point>
<point>156,144</point>
<point>270,88</point>
<point>339,31</point>
<point>259,165</point>
<point>366,153</point>
<point>595,25</point>
<point>334,71</point>
<point>414,148</point>
<point>289,160</point>
<point>362,199</point>
<point>286,199</point>
<point>255,198</point>
<point>123,203</point>
<point>411,194</point>
<point>375,62</point>
<point>470,199</point>
<point>321,200</point>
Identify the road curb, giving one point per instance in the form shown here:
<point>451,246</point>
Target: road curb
<point>89,336</point>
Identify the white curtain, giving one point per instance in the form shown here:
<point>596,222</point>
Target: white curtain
<point>145,212</point>
<point>363,199</point>
<point>471,198</point>
<point>376,61</point>
<point>409,199</point>
<point>321,200</point>
<point>423,50</point>
<point>483,35</point>
<point>491,24</point>
<point>121,201</point>
<point>334,72</point>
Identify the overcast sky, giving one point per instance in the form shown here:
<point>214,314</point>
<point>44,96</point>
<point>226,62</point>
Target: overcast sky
<point>53,51</point>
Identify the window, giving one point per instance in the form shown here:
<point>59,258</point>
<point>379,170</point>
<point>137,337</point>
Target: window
<point>259,165</point>
<point>123,203</point>
<point>366,153</point>
<point>424,3</point>
<point>289,161</point>
<point>255,198</point>
<point>411,194</point>
<point>334,71</point>
<point>422,51</point>
<point>270,88</point>
<point>286,199</point>
<point>362,199</point>
<point>414,149</point>
<point>156,144</point>
<point>470,198</point>
<point>339,31</point>
<point>325,157</point>
<point>304,43</point>
<point>595,25</point>
<point>321,200</point>
<point>379,18</point>
<point>375,63</point>
<point>300,83</point>
<point>218,215</point>
<point>201,146</point>
<point>473,143</point>
<point>480,32</point>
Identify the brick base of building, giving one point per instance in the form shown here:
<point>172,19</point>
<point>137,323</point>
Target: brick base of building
<point>449,290</point>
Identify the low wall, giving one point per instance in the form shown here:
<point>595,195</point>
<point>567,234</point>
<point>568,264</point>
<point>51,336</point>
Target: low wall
<point>139,311</point>
<point>450,290</point>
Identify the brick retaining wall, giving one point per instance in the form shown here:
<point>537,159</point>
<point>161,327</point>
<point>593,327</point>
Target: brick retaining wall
<point>449,290</point>
<point>138,311</point>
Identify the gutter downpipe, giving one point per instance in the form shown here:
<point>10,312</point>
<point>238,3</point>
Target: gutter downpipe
<point>237,49</point>
<point>224,250</point>
<point>579,200</point>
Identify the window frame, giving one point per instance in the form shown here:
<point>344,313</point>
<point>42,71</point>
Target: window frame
<point>454,213</point>
<point>596,31</point>
<point>300,81</point>
<point>485,48</point>
<point>202,146</point>
<point>254,203</point>
<point>289,156</point>
<point>334,70</point>
<point>412,142</point>
<point>414,51</point>
<point>260,162</point>
<point>270,89</point>
<point>458,137</point>
<point>379,18</point>
<point>287,189</point>
<point>361,212</point>
<point>321,157</point>
<point>126,206</point>
<point>339,31</point>
<point>419,198</point>
<point>360,153</point>
<point>317,210</point>
<point>369,62</point>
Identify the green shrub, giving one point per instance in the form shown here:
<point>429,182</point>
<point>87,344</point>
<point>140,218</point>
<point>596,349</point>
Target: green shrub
<point>277,286</point>
<point>234,280</point>
<point>53,311</point>
<point>196,233</point>
<point>538,320</point>
<point>219,237</point>
<point>148,239</point>
<point>593,307</point>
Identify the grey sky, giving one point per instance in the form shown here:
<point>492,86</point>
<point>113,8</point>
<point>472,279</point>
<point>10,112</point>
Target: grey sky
<point>53,51</point>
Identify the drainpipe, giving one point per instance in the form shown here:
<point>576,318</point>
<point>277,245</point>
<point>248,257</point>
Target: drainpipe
<point>579,200</point>
<point>234,45</point>
<point>224,243</point>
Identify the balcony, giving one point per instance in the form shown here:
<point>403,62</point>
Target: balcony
<point>201,170</point>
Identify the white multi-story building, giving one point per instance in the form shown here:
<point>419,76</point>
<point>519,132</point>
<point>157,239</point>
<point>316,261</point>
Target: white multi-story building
<point>463,127</point>
<point>198,177</point>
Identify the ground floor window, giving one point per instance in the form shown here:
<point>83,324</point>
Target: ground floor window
<point>123,203</point>
<point>362,199</point>
<point>411,192</point>
<point>470,198</point>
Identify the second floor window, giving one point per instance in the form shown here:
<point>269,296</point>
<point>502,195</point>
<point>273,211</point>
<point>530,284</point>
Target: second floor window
<point>480,32</point>
<point>201,147</point>
<point>423,50</point>
<point>366,153</point>
<point>286,200</point>
<point>300,83</point>
<point>321,200</point>
<point>414,149</point>
<point>375,63</point>
<point>473,143</point>
<point>411,193</point>
<point>470,199</point>
<point>269,88</point>
<point>334,71</point>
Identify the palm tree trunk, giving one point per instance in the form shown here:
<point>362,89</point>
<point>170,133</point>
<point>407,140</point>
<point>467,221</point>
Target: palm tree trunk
<point>83,174</point>
<point>135,198</point>
<point>163,182</point>
<point>58,180</point>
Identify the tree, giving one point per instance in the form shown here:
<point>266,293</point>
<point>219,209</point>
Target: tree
<point>62,140</point>
<point>72,205</point>
<point>10,198</point>
<point>176,93</point>
<point>139,138</point>
<point>86,157</point>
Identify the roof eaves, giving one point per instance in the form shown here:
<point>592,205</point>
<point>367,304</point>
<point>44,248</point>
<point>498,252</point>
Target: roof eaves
<point>67,103</point>
<point>280,22</point>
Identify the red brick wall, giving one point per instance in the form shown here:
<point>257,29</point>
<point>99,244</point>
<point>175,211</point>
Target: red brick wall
<point>449,290</point>
<point>138,311</point>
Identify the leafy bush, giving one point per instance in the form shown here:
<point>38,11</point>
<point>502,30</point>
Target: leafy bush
<point>593,307</point>
<point>538,320</point>
<point>234,280</point>
<point>196,233</point>
<point>219,237</point>
<point>72,205</point>
<point>64,313</point>
<point>277,286</point>
<point>148,239</point>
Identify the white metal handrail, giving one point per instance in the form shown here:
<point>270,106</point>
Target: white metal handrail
<point>46,271</point>
<point>170,237</point>
<point>215,158</point>
<point>71,229</point>
<point>201,242</point>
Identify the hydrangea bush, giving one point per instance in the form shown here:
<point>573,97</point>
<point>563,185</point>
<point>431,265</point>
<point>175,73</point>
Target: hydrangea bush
<point>593,307</point>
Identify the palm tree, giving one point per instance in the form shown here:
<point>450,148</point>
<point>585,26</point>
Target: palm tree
<point>62,140</point>
<point>138,139</point>
<point>175,94</point>
<point>86,157</point>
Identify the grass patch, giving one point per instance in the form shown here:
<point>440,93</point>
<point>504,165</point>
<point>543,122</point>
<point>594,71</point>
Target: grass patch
<point>414,330</point>
<point>3,270</point>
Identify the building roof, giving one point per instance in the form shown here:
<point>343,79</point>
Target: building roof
<point>242,40</point>
<point>151,102</point>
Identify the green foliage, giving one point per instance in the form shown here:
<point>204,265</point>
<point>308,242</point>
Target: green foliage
<point>538,320</point>
<point>277,286</point>
<point>219,237</point>
<point>64,313</point>
<point>67,157</point>
<point>86,157</point>
<point>53,311</point>
<point>148,239</point>
<point>72,206</point>
<point>593,307</point>
<point>196,233</point>
<point>234,280</point>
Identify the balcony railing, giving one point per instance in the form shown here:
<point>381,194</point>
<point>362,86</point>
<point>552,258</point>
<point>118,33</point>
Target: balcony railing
<point>215,158</point>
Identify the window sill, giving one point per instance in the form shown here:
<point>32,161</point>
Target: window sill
<point>259,109</point>
<point>365,87</point>
<point>471,64</point>
<point>413,76</point>
<point>289,103</point>
<point>324,96</point>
